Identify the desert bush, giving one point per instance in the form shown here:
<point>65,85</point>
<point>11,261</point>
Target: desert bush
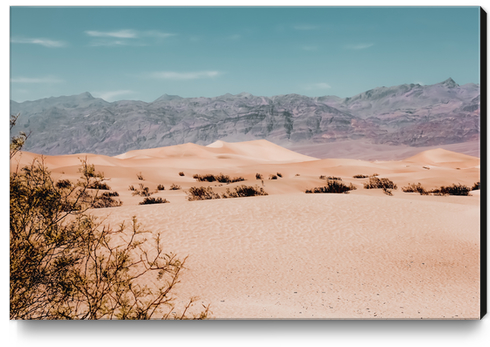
<point>333,178</point>
<point>152,200</point>
<point>455,189</point>
<point>69,268</point>
<point>379,183</point>
<point>181,174</point>
<point>99,185</point>
<point>332,187</point>
<point>476,186</point>
<point>160,187</point>
<point>272,177</point>
<point>205,178</point>
<point>360,176</point>
<point>244,191</point>
<point>106,200</point>
<point>415,188</point>
<point>63,184</point>
<point>140,176</point>
<point>131,187</point>
<point>142,191</point>
<point>258,176</point>
<point>174,187</point>
<point>322,177</point>
<point>201,193</point>
<point>374,175</point>
<point>296,175</point>
<point>279,175</point>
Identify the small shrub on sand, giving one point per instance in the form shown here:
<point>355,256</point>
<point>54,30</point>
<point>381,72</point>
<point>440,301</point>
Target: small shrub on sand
<point>296,175</point>
<point>322,177</point>
<point>476,186</point>
<point>220,178</point>
<point>415,188</point>
<point>63,184</point>
<point>360,176</point>
<point>174,187</point>
<point>374,175</point>
<point>181,174</point>
<point>279,175</point>
<point>258,176</point>
<point>332,187</point>
<point>151,200</point>
<point>201,193</point>
<point>244,191</point>
<point>99,185</point>
<point>160,187</point>
<point>455,189</point>
<point>379,183</point>
<point>142,191</point>
<point>333,178</point>
<point>106,200</point>
<point>140,176</point>
<point>131,187</point>
<point>272,177</point>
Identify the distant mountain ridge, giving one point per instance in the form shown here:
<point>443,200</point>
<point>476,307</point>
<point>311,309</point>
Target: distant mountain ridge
<point>409,114</point>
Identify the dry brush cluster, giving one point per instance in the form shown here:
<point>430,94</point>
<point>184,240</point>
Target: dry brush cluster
<point>207,193</point>
<point>66,265</point>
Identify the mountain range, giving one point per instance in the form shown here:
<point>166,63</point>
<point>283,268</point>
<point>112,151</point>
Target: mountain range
<point>410,115</point>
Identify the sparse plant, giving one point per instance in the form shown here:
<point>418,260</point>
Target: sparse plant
<point>322,177</point>
<point>174,187</point>
<point>374,175</point>
<point>106,200</point>
<point>379,183</point>
<point>476,186</point>
<point>272,177</point>
<point>415,188</point>
<point>332,187</point>
<point>160,187</point>
<point>140,176</point>
<point>455,189</point>
<point>360,176</point>
<point>99,185</point>
<point>152,200</point>
<point>279,175</point>
<point>131,187</point>
<point>63,184</point>
<point>181,173</point>
<point>258,176</point>
<point>244,191</point>
<point>201,193</point>
<point>296,175</point>
<point>333,178</point>
<point>142,191</point>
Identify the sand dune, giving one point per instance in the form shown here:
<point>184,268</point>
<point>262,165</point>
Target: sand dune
<point>296,255</point>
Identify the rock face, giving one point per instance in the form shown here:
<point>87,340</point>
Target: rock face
<point>408,114</point>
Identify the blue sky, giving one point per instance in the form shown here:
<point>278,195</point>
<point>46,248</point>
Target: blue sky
<point>141,53</point>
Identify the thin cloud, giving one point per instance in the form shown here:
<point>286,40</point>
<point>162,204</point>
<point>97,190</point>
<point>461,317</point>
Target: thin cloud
<point>111,95</point>
<point>359,46</point>
<point>120,34</point>
<point>38,41</point>
<point>316,86</point>
<point>182,76</point>
<point>309,48</point>
<point>28,80</point>
<point>306,27</point>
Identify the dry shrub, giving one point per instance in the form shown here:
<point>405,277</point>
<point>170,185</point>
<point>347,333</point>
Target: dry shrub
<point>140,176</point>
<point>160,187</point>
<point>332,186</point>
<point>415,188</point>
<point>99,185</point>
<point>279,175</point>
<point>272,177</point>
<point>106,200</point>
<point>476,186</point>
<point>174,187</point>
<point>360,176</point>
<point>142,191</point>
<point>152,200</point>
<point>244,191</point>
<point>181,174</point>
<point>379,183</point>
<point>201,193</point>
<point>258,176</point>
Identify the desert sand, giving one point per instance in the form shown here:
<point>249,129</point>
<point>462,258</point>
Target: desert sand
<point>291,255</point>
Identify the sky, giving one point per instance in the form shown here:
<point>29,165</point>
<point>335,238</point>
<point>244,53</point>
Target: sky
<point>141,53</point>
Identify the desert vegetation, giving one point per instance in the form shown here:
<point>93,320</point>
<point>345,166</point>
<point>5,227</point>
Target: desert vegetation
<point>141,191</point>
<point>181,173</point>
<point>175,187</point>
<point>152,200</point>
<point>243,191</point>
<point>258,176</point>
<point>360,176</point>
<point>160,187</point>
<point>220,178</point>
<point>207,193</point>
<point>140,176</point>
<point>279,175</point>
<point>379,183</point>
<point>99,186</point>
<point>333,186</point>
<point>272,177</point>
<point>476,186</point>
<point>454,189</point>
<point>66,265</point>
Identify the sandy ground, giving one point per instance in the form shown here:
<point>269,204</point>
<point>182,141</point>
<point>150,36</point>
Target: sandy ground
<point>293,255</point>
